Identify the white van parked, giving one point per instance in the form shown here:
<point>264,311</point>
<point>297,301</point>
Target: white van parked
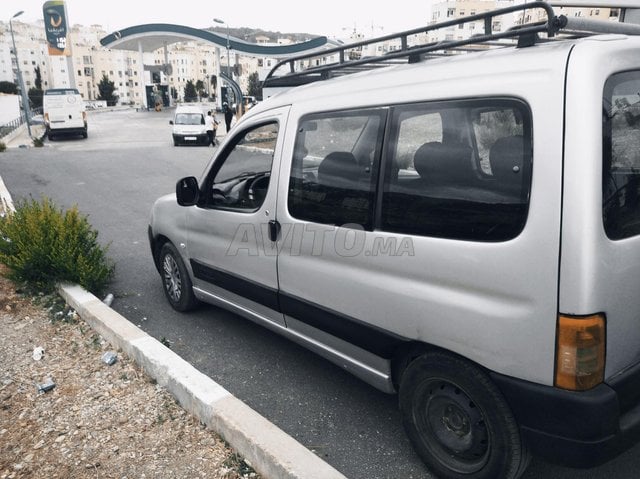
<point>64,112</point>
<point>189,126</point>
<point>462,229</point>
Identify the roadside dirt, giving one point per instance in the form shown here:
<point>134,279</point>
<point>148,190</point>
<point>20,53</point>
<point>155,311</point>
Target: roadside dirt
<point>99,421</point>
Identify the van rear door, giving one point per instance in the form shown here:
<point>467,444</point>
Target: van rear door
<point>64,111</point>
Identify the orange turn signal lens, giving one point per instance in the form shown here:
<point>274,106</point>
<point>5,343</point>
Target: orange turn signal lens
<point>580,352</point>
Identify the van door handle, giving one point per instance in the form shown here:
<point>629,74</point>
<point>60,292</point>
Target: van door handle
<point>274,230</point>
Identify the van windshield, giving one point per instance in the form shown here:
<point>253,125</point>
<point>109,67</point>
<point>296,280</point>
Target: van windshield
<point>189,119</point>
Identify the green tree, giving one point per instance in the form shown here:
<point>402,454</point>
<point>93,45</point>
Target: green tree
<point>255,86</point>
<point>107,88</point>
<point>200,88</point>
<point>35,93</point>
<point>38,80</point>
<point>190,93</point>
<point>8,87</point>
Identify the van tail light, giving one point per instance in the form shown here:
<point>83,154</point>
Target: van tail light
<point>580,351</point>
<point>46,118</point>
<point>84,115</point>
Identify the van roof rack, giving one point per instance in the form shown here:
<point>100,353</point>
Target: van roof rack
<point>350,59</point>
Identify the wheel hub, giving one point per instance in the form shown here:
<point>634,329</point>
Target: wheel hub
<point>456,421</point>
<point>454,427</point>
<point>172,281</point>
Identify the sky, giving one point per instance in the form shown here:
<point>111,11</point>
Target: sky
<point>320,17</point>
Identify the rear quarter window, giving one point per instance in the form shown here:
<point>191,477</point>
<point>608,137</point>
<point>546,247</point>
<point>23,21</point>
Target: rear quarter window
<point>621,155</point>
<point>458,170</point>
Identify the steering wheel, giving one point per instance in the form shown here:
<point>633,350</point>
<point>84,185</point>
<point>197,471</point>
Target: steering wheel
<point>255,186</point>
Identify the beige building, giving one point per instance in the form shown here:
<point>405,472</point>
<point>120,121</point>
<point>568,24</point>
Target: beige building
<point>32,53</point>
<point>90,61</point>
<point>592,13</point>
<point>454,9</point>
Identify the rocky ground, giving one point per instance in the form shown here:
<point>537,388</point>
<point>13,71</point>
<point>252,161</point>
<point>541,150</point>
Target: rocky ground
<point>98,421</point>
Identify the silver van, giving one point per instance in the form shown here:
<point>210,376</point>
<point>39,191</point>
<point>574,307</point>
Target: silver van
<point>460,229</point>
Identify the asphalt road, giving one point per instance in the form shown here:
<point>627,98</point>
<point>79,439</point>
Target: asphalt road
<point>114,176</point>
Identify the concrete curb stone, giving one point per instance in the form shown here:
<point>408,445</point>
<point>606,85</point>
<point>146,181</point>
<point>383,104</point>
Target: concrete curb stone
<point>267,448</point>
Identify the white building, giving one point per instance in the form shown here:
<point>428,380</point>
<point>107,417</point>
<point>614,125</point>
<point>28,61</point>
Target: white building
<point>90,61</point>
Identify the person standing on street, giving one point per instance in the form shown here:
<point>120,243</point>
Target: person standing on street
<point>215,127</point>
<point>210,127</point>
<point>228,116</point>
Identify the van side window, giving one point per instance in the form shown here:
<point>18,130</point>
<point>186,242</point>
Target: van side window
<point>332,179</point>
<point>242,180</point>
<point>458,170</point>
<point>621,155</point>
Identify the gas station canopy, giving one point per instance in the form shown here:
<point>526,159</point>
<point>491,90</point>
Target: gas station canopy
<point>151,37</point>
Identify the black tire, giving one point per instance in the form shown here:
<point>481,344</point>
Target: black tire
<point>458,421</point>
<point>176,282</point>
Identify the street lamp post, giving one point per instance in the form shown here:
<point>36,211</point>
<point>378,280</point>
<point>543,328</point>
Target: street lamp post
<point>217,20</point>
<point>23,92</point>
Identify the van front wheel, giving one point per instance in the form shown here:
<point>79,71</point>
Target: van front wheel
<point>458,421</point>
<point>175,279</point>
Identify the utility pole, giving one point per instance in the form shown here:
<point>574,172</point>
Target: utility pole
<point>217,20</point>
<point>23,91</point>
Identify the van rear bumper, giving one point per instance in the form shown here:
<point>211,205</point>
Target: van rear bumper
<point>66,130</point>
<point>576,429</point>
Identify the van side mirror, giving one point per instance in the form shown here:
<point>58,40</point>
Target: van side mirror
<point>187,191</point>
<point>171,122</point>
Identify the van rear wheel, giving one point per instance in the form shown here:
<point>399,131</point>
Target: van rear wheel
<point>458,421</point>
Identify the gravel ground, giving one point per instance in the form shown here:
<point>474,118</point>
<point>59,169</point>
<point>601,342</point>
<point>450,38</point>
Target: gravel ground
<point>98,421</point>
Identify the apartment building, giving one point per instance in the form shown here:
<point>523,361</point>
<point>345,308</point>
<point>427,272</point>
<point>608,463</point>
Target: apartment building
<point>90,61</point>
<point>592,13</point>
<point>32,54</point>
<point>453,9</point>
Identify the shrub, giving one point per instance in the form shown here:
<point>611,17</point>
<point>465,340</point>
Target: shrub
<point>42,244</point>
<point>3,146</point>
<point>38,142</point>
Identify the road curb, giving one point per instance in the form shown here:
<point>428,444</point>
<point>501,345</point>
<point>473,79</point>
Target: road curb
<point>271,451</point>
<point>6,203</point>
